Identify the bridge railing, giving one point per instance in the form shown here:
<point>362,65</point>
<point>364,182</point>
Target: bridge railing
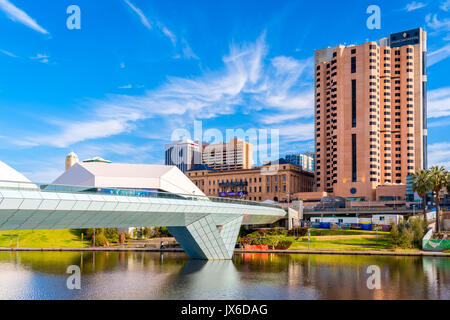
<point>356,209</point>
<point>144,193</point>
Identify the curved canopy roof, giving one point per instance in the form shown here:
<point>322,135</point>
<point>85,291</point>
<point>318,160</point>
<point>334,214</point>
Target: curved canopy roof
<point>129,176</point>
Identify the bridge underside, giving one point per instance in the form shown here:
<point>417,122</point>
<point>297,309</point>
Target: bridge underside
<point>205,229</point>
<point>203,239</point>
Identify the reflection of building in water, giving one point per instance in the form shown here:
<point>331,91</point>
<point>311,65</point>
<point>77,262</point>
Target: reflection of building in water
<point>345,277</point>
<point>200,279</point>
<point>437,273</point>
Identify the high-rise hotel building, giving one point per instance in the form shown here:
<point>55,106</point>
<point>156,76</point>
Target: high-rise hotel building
<point>233,155</point>
<point>370,114</point>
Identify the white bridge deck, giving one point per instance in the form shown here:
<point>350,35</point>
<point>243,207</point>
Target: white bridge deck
<point>206,227</point>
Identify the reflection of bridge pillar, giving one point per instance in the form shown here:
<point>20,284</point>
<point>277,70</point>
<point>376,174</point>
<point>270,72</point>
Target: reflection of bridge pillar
<point>203,239</point>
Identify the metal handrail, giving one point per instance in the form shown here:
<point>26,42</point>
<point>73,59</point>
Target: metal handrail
<point>356,209</point>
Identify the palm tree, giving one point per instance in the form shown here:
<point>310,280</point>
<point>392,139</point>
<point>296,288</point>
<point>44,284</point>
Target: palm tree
<point>448,183</point>
<point>439,180</point>
<point>422,184</point>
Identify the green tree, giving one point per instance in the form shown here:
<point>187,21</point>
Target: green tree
<point>439,180</point>
<point>272,241</point>
<point>419,227</point>
<point>147,232</point>
<point>448,183</point>
<point>422,184</point>
<point>111,234</point>
<point>406,240</point>
<point>395,234</point>
<point>100,239</point>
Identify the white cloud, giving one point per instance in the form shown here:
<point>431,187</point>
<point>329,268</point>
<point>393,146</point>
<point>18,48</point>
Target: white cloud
<point>434,23</point>
<point>43,58</point>
<point>278,118</point>
<point>439,103</point>
<point>181,44</point>
<point>188,53</point>
<point>441,122</point>
<point>73,132</point>
<point>439,55</point>
<point>445,5</point>
<point>247,80</point>
<point>168,33</point>
<point>297,132</point>
<point>105,150</point>
<point>122,65</point>
<point>141,15</point>
<point>128,86</point>
<point>439,154</point>
<point>20,16</point>
<point>414,6</point>
<point>145,21</point>
<point>12,55</point>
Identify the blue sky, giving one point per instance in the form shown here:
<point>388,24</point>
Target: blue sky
<point>140,69</point>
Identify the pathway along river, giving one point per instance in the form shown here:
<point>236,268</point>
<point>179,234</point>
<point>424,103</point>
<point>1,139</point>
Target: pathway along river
<point>145,275</point>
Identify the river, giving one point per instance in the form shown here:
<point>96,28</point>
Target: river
<point>146,275</point>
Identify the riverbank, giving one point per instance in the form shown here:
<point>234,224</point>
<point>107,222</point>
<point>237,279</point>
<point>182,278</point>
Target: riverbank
<point>63,238</point>
<point>357,253</point>
<point>240,251</point>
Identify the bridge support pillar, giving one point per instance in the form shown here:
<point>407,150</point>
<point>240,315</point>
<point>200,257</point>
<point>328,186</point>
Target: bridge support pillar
<point>204,239</point>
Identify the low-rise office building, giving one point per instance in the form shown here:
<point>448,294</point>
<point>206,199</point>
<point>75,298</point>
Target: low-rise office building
<point>269,182</point>
<point>378,219</point>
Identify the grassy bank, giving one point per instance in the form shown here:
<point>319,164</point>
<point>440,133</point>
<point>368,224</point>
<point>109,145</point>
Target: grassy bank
<point>67,238</point>
<point>338,232</point>
<point>342,240</point>
<point>321,239</point>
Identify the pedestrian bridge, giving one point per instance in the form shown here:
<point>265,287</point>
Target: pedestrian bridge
<point>206,227</point>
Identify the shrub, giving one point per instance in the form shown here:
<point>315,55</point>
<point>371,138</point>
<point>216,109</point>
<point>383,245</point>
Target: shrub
<point>147,232</point>
<point>111,234</point>
<point>271,241</point>
<point>395,234</point>
<point>246,240</point>
<point>255,241</point>
<point>100,239</point>
<point>299,231</point>
<point>409,234</point>
<point>161,232</point>
<point>407,238</point>
<point>284,245</point>
<point>418,226</point>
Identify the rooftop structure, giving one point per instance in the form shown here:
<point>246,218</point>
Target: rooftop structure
<point>96,159</point>
<point>128,176</point>
<point>71,159</point>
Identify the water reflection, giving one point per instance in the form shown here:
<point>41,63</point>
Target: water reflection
<point>143,275</point>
